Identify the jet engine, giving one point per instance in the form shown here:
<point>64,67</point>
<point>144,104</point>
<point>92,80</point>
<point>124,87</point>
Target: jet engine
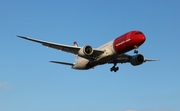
<point>85,51</point>
<point>137,60</point>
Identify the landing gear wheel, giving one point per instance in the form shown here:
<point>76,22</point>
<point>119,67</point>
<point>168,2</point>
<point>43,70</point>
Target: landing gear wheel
<point>136,51</point>
<point>117,68</point>
<point>111,69</point>
<point>114,68</point>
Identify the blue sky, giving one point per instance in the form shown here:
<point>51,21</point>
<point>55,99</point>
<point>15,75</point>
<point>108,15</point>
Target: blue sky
<point>28,82</point>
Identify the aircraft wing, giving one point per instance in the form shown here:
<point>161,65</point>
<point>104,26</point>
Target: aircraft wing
<point>62,47</point>
<point>124,58</point>
<point>148,60</point>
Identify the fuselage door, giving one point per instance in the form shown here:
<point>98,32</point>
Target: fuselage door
<point>128,38</point>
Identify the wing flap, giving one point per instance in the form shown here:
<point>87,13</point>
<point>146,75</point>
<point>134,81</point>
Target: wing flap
<point>97,52</point>
<point>124,58</point>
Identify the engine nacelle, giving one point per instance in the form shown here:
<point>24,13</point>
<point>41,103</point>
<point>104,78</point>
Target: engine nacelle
<point>85,51</point>
<point>137,60</point>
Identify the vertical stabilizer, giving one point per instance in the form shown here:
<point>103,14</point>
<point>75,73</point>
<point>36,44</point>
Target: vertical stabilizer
<point>75,44</point>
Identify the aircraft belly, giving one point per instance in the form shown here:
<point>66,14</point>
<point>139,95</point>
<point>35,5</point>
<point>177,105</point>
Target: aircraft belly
<point>81,64</point>
<point>104,60</point>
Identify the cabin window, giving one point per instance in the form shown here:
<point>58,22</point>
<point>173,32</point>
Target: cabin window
<point>138,33</point>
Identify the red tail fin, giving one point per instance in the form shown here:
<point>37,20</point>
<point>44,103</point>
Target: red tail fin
<point>75,44</point>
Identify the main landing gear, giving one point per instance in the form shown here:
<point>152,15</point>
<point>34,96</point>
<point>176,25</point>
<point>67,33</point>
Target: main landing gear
<point>114,68</point>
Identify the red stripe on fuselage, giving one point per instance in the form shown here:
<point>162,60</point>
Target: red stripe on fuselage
<point>128,41</point>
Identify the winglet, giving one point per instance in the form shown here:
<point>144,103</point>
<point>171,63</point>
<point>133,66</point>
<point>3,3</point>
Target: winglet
<point>21,36</point>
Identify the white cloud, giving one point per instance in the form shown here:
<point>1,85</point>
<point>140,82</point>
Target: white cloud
<point>5,86</point>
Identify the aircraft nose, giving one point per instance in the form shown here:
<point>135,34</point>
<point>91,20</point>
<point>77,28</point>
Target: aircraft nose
<point>142,38</point>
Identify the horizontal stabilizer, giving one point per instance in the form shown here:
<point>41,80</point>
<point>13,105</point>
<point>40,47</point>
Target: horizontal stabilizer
<point>65,63</point>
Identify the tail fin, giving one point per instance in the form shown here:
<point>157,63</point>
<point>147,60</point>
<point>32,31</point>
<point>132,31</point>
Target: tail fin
<point>75,44</point>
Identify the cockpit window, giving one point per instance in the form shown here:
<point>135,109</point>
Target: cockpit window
<point>138,33</point>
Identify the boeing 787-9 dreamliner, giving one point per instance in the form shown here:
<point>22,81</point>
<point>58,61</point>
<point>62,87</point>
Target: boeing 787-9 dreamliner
<point>112,52</point>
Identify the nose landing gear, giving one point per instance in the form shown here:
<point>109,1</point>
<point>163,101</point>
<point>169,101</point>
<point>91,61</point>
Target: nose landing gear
<point>114,68</point>
<point>135,49</point>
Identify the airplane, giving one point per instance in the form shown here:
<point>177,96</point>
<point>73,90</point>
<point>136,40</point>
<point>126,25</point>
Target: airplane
<point>112,52</point>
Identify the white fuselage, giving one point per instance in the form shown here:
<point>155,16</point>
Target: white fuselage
<point>81,63</point>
